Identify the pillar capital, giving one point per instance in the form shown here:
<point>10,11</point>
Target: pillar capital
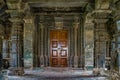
<point>75,25</point>
<point>26,20</point>
<point>102,21</point>
<point>16,20</point>
<point>1,30</point>
<point>89,26</point>
<point>41,25</point>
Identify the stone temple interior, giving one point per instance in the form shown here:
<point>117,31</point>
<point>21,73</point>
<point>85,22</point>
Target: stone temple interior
<point>38,37</point>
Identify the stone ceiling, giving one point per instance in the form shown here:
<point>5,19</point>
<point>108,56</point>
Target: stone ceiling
<point>59,5</point>
<point>93,9</point>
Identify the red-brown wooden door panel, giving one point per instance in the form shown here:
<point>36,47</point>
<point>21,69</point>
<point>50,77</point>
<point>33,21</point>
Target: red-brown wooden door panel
<point>59,48</point>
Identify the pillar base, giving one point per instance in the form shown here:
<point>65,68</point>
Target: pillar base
<point>16,71</point>
<point>76,61</point>
<point>46,60</point>
<point>42,61</point>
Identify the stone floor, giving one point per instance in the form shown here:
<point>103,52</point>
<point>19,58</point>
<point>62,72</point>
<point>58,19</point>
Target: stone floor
<point>56,74</point>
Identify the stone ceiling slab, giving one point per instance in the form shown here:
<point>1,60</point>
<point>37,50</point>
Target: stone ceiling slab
<point>58,0</point>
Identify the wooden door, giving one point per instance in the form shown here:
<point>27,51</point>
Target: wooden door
<point>59,48</point>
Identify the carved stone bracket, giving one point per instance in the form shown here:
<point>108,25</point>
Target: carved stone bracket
<point>102,4</point>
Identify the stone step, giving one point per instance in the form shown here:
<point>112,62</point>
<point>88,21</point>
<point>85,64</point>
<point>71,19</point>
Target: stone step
<point>38,78</point>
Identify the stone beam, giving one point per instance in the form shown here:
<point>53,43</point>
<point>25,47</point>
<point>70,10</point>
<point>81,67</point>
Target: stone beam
<point>57,4</point>
<point>102,11</point>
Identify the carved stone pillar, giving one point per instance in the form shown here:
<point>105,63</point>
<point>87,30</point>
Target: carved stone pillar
<point>100,43</point>
<point>16,12</point>
<point>28,40</point>
<point>17,45</point>
<point>101,13</point>
<point>0,53</point>
<point>89,44</point>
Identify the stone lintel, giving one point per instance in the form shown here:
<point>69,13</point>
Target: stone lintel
<point>62,12</point>
<point>39,3</point>
<point>12,1</point>
<point>14,11</point>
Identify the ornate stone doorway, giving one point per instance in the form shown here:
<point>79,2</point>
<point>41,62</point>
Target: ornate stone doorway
<point>58,41</point>
<point>58,48</point>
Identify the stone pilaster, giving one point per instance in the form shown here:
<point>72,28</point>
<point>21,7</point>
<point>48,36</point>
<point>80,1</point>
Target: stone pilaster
<point>71,57</point>
<point>42,45</point>
<point>75,44</point>
<point>82,42</point>
<point>46,46</point>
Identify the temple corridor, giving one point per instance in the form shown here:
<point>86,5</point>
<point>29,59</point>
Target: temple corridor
<point>59,37</point>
